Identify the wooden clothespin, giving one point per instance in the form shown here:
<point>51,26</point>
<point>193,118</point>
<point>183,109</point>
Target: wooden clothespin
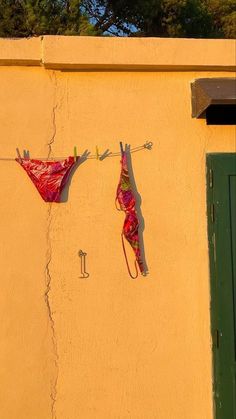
<point>97,153</point>
<point>121,148</point>
<point>18,154</point>
<point>75,153</point>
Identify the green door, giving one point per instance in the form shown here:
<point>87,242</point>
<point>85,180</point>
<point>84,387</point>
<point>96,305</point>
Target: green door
<point>221,199</point>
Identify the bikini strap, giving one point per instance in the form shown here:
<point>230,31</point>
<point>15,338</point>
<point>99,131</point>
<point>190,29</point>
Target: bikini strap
<point>126,259</point>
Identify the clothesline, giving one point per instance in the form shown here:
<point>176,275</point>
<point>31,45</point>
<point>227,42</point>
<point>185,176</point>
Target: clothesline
<point>148,145</point>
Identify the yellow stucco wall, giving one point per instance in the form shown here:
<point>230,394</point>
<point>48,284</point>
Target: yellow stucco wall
<point>106,347</point>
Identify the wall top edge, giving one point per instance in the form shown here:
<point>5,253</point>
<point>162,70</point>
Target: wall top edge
<point>84,52</point>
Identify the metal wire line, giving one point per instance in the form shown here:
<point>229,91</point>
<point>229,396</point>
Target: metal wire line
<point>148,145</point>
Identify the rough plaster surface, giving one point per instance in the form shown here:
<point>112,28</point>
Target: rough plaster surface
<point>99,53</point>
<point>107,346</point>
<point>138,53</point>
<point>21,51</point>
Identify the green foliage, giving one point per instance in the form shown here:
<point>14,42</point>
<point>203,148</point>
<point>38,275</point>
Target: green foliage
<point>11,18</point>
<point>168,18</point>
<point>224,17</point>
<point>38,17</point>
<point>165,18</point>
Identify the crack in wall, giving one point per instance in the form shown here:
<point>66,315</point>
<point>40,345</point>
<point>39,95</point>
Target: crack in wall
<point>48,276</point>
<point>42,51</point>
<point>53,393</point>
<point>55,105</point>
<point>51,141</point>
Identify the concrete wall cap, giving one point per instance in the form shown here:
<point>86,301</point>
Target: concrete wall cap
<point>110,53</point>
<point>20,51</point>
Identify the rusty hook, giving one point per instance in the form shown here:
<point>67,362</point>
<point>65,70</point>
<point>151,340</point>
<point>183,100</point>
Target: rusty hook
<point>82,256</point>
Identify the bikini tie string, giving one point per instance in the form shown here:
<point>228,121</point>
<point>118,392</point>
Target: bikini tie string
<point>126,259</point>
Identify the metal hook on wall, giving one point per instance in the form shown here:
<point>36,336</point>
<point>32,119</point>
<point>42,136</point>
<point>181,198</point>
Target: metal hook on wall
<point>148,145</point>
<point>82,256</point>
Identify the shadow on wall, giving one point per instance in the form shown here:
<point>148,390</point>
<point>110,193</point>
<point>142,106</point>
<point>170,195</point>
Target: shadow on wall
<point>138,200</point>
<point>81,160</point>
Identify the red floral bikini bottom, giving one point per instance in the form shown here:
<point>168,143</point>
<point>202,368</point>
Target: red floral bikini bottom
<point>49,177</point>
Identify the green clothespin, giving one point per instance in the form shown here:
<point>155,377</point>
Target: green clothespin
<point>26,154</point>
<point>75,153</point>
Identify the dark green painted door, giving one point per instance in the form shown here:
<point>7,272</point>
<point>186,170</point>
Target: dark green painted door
<point>221,198</point>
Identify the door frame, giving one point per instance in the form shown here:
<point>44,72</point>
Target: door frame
<point>220,167</point>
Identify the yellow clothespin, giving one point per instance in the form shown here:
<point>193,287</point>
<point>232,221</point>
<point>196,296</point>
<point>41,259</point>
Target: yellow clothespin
<point>75,153</point>
<point>97,153</point>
